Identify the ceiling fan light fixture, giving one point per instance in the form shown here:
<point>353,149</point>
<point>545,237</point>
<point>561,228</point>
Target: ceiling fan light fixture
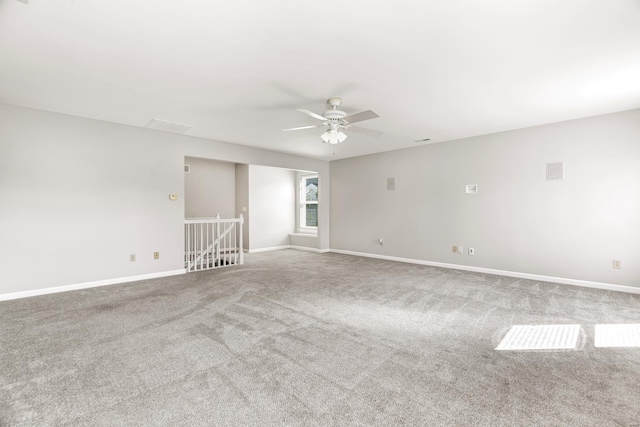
<point>342,136</point>
<point>337,120</point>
<point>333,136</point>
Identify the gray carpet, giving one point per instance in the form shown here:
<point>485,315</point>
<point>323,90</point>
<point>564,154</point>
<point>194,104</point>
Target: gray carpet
<point>297,338</point>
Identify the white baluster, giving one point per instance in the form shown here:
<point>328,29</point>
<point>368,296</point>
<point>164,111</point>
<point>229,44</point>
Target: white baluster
<point>218,238</point>
<point>241,241</point>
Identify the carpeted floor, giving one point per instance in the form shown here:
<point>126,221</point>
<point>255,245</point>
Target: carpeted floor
<point>297,338</point>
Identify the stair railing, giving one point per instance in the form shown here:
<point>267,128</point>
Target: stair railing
<point>213,242</point>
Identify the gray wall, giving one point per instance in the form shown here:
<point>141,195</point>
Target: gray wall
<point>78,196</point>
<point>209,188</point>
<point>304,241</point>
<point>242,200</point>
<point>271,205</point>
<point>518,221</point>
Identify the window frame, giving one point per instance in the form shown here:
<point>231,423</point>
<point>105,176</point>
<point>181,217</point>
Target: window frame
<point>302,204</point>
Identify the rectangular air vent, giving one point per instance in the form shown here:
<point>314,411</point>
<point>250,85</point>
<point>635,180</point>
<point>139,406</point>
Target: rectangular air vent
<point>167,126</point>
<point>555,171</point>
<point>187,169</point>
<point>391,184</point>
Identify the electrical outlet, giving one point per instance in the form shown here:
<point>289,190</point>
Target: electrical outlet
<point>132,258</point>
<point>617,263</point>
<point>156,255</point>
<point>472,251</point>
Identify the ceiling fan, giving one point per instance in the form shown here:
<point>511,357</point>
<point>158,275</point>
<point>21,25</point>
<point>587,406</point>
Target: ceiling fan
<point>337,121</point>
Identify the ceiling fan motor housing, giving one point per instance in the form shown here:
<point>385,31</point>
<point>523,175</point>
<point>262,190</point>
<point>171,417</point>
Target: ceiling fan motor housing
<point>336,115</point>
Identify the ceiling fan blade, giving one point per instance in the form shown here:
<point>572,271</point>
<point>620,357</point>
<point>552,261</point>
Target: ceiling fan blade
<point>359,117</point>
<point>302,127</point>
<point>312,114</point>
<point>364,131</point>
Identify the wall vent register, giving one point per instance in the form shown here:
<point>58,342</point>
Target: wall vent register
<point>555,171</point>
<point>391,184</point>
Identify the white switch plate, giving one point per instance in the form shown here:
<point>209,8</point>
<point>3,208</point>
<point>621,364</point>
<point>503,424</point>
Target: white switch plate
<point>617,263</point>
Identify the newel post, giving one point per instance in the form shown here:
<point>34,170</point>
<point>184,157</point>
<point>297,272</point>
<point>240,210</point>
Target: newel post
<point>241,249</point>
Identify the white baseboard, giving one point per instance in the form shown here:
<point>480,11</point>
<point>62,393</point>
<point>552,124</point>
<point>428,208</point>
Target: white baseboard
<point>278,248</point>
<point>304,248</point>
<point>273,248</point>
<point>562,280</point>
<point>86,285</point>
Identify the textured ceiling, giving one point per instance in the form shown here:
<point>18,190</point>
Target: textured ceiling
<point>237,70</point>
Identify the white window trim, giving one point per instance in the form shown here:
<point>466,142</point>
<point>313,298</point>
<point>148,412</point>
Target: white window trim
<point>302,203</point>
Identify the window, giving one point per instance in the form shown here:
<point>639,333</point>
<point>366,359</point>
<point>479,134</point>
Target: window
<point>309,202</point>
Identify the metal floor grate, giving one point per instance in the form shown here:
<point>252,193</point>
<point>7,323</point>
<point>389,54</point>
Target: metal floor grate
<point>617,335</point>
<point>540,337</point>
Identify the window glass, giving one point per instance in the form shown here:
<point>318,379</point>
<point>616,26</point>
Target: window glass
<point>309,202</point>
<point>311,189</point>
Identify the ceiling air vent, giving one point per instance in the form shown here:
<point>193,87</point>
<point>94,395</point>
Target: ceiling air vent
<point>166,126</point>
<point>187,169</point>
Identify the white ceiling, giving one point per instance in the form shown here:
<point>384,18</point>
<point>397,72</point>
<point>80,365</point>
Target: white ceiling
<point>236,70</point>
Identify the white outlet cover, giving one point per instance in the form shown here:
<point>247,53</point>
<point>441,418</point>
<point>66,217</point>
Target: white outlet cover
<point>471,189</point>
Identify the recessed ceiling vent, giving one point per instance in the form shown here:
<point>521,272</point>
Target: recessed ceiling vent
<point>187,169</point>
<point>167,126</point>
<point>423,140</point>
